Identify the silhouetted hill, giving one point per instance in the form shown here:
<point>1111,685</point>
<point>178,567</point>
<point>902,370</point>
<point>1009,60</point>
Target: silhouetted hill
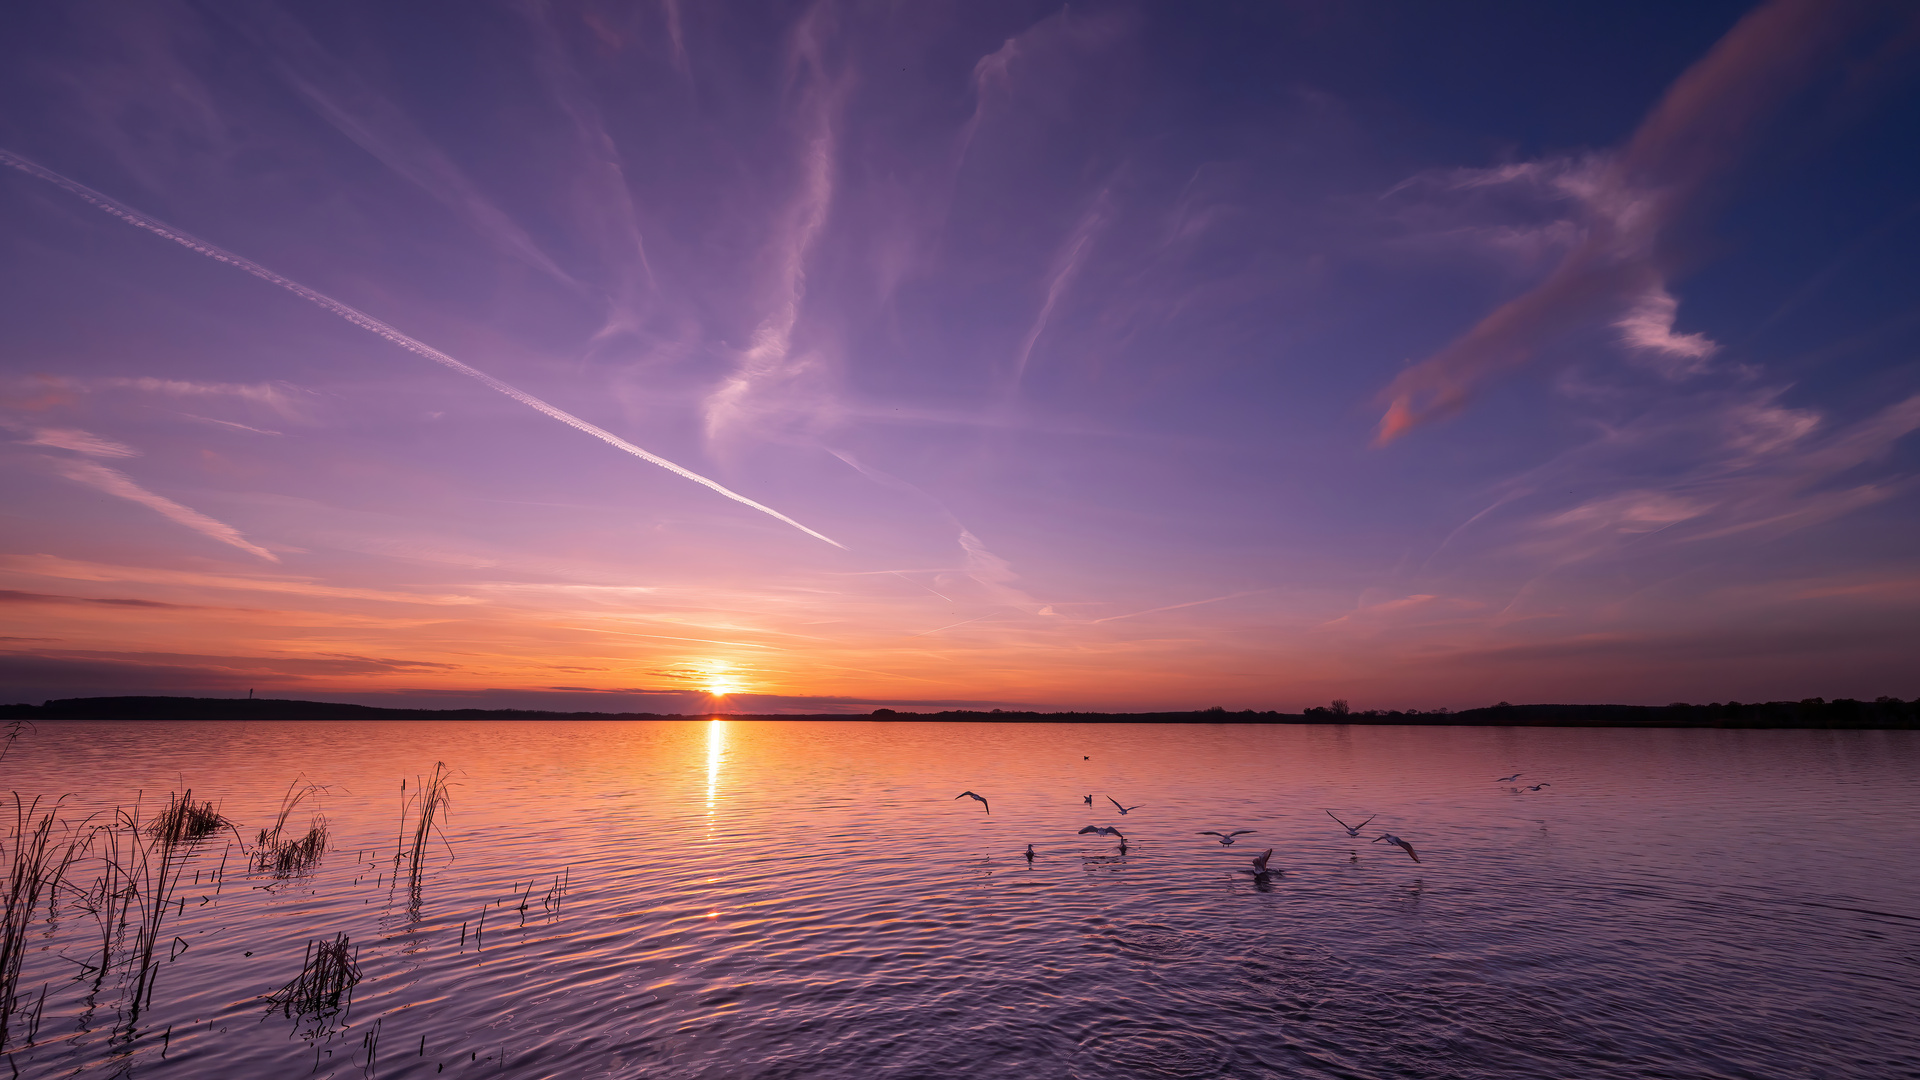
<point>1883,713</point>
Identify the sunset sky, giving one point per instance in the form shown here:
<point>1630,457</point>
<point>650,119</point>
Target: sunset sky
<point>672,355</point>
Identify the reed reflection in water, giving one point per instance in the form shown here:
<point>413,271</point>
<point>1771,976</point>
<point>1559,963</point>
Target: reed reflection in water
<point>1697,903</point>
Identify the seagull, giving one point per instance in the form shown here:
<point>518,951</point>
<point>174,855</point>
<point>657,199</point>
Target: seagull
<point>1029,852</point>
<point>1399,843</point>
<point>1352,830</point>
<point>971,795</point>
<point>1103,830</point>
<point>1088,799</point>
<point>1260,861</point>
<point>1225,837</point>
<point>1086,757</point>
<point>1123,809</point>
<point>1509,779</point>
<point>1537,787</point>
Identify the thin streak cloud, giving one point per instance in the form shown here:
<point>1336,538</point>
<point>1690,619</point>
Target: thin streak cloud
<point>344,99</point>
<point>230,424</point>
<point>375,326</point>
<point>117,483</point>
<point>949,626</point>
<point>671,637</point>
<point>1177,607</point>
<point>1066,267</point>
<point>80,442</point>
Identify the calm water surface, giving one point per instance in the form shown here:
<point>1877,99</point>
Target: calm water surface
<point>752,899</point>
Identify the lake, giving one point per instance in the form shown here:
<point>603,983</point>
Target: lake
<point>809,899</point>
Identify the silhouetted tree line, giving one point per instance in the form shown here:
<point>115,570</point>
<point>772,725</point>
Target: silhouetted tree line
<point>1880,713</point>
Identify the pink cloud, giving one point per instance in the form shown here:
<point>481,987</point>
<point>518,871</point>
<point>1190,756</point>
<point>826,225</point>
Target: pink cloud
<point>1692,141</point>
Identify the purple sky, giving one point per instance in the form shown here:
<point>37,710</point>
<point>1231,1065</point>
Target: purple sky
<point>1115,356</point>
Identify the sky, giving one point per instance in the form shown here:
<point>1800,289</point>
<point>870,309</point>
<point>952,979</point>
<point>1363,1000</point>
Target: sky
<point>817,357</point>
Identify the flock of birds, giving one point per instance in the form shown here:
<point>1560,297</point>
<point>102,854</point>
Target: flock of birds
<point>1226,838</point>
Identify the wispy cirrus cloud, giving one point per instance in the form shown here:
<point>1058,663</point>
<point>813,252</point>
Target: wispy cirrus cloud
<point>1696,469</point>
<point>769,366</point>
<point>1638,205</point>
<point>118,484</point>
<point>1067,261</point>
<point>65,569</point>
<point>230,424</point>
<point>80,442</point>
<point>380,329</point>
<point>344,98</point>
<point>601,202</point>
<point>1647,328</point>
<point>40,392</point>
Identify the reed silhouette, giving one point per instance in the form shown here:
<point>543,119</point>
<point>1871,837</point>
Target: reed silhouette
<point>185,821</point>
<point>429,802</point>
<point>276,853</point>
<point>325,984</point>
<point>36,863</point>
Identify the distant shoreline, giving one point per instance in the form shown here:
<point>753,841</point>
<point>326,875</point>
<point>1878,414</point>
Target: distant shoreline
<point>1884,714</point>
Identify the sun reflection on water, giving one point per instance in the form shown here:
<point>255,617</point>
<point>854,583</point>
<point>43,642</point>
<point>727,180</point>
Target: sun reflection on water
<point>716,747</point>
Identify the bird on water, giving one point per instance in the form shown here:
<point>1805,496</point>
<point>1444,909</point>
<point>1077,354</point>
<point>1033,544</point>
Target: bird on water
<point>1124,810</point>
<point>1088,799</point>
<point>1029,853</point>
<point>978,798</point>
<point>1352,830</point>
<point>1225,837</point>
<point>1399,843</point>
<point>1260,861</point>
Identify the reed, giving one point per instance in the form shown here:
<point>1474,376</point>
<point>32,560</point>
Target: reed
<point>35,866</point>
<point>110,896</point>
<point>153,877</point>
<point>430,802</point>
<point>13,730</point>
<point>281,855</point>
<point>185,821</point>
<point>296,856</point>
<point>325,984</point>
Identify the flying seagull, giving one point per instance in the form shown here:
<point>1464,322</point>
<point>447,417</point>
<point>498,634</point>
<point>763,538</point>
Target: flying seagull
<point>1260,861</point>
<point>1509,779</point>
<point>1123,809</point>
<point>1537,787</point>
<point>977,798</point>
<point>1102,830</point>
<point>1225,837</point>
<point>1352,830</point>
<point>1399,843</point>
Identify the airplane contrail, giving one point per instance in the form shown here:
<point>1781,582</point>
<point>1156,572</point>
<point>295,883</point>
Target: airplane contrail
<point>369,323</point>
<point>1176,607</point>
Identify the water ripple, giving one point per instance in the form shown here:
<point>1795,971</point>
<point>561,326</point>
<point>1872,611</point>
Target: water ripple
<point>804,900</point>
